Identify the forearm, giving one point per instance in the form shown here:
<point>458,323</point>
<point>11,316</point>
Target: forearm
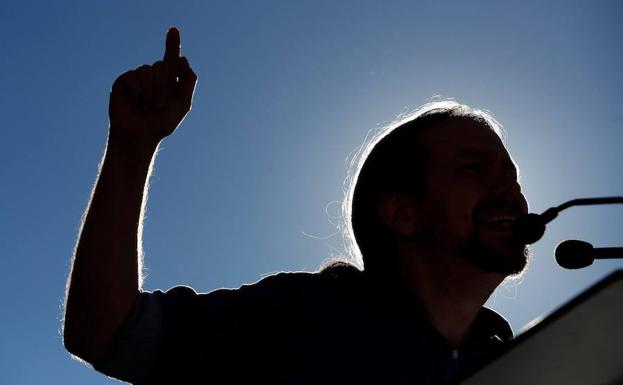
<point>106,272</point>
<point>146,105</point>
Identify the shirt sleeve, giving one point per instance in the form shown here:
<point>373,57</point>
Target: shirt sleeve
<point>135,351</point>
<point>166,333</point>
<point>181,336</point>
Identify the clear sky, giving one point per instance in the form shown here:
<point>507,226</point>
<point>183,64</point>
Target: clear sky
<point>250,183</point>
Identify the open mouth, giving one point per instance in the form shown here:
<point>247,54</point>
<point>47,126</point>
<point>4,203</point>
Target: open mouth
<point>498,221</point>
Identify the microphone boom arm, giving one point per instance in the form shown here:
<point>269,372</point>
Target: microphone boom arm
<point>531,227</point>
<point>587,202</point>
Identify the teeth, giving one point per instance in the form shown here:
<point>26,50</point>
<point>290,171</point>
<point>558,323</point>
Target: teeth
<point>499,219</point>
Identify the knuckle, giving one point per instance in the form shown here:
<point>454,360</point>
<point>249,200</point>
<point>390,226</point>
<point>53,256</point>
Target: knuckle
<point>143,69</point>
<point>124,76</point>
<point>122,80</point>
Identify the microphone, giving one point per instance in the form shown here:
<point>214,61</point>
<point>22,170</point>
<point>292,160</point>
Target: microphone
<point>574,254</point>
<point>529,228</point>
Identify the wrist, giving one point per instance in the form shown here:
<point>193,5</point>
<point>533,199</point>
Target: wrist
<point>128,163</point>
<point>131,149</point>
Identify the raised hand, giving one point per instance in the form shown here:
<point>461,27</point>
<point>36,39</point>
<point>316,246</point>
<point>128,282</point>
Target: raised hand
<point>148,103</point>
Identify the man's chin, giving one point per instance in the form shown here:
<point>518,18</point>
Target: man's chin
<point>510,260</point>
<point>521,263</point>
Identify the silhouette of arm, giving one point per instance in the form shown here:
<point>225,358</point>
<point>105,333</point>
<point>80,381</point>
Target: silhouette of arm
<point>146,105</point>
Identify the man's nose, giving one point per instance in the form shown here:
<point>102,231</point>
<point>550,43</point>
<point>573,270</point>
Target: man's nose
<point>507,188</point>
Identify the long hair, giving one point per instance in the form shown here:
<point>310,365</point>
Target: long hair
<point>392,160</point>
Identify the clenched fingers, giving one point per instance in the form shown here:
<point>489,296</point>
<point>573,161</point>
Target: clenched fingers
<point>161,84</point>
<point>148,86</point>
<point>166,83</point>
<point>145,75</point>
<point>127,85</point>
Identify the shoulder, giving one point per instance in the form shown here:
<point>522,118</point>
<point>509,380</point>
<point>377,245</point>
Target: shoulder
<point>276,290</point>
<point>334,275</point>
<point>296,286</point>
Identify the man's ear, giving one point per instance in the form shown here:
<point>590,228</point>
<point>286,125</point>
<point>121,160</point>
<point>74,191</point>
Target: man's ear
<point>398,212</point>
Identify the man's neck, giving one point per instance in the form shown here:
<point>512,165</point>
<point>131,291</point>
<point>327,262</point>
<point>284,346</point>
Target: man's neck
<point>451,290</point>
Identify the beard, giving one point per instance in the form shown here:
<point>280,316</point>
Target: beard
<point>503,255</point>
<point>509,257</point>
<point>489,253</point>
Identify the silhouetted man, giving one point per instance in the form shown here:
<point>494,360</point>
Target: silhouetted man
<point>430,210</point>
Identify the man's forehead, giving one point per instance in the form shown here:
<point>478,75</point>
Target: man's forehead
<point>475,152</point>
<point>484,154</point>
<point>462,135</point>
<point>465,138</point>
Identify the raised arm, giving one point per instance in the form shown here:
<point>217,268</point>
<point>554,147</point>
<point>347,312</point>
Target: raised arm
<point>146,105</point>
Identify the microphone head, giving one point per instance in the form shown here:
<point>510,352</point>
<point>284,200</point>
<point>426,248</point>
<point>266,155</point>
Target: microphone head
<point>573,254</point>
<point>529,228</point>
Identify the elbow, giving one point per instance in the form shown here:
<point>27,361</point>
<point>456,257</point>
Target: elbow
<point>80,346</point>
<point>74,344</point>
<point>76,350</point>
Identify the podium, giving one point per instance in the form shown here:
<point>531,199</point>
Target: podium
<point>581,343</point>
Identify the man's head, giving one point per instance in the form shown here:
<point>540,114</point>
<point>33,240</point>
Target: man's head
<point>442,182</point>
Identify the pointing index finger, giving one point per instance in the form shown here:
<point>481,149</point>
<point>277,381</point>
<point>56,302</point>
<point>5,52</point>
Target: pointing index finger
<point>173,46</point>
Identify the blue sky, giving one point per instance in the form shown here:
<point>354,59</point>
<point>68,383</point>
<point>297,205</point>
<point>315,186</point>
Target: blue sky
<point>249,184</point>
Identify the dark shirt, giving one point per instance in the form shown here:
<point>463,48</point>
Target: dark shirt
<point>332,327</point>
